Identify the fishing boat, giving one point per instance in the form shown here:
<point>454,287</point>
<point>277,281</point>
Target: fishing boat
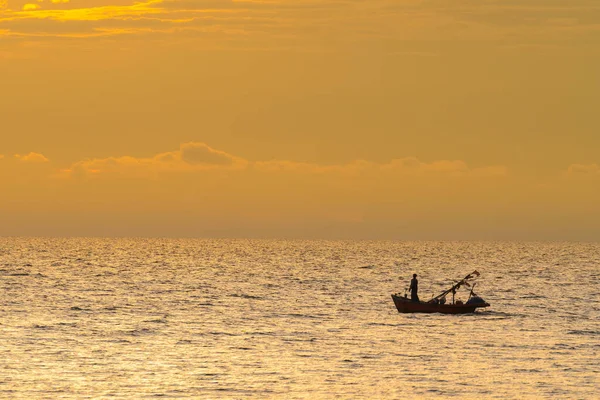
<point>438,303</point>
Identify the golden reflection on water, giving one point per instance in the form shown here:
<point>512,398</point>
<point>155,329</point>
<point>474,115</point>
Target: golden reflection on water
<point>293,319</point>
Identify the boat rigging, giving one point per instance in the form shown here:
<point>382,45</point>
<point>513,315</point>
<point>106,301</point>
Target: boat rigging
<point>438,303</point>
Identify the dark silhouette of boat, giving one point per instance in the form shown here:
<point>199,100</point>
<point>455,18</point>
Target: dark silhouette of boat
<point>405,305</point>
<point>438,303</point>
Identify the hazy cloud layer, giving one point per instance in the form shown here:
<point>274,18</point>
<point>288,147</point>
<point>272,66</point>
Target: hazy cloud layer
<point>202,154</point>
<point>199,156</point>
<point>31,157</point>
<point>270,23</point>
<point>189,157</point>
<point>581,169</point>
<point>200,186</point>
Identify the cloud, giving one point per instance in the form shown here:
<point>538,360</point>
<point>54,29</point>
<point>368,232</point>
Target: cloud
<point>198,181</point>
<point>202,154</point>
<point>281,22</point>
<point>446,167</point>
<point>30,7</point>
<point>32,157</point>
<point>191,156</point>
<point>583,170</point>
<point>198,156</point>
<point>409,166</point>
<point>33,169</point>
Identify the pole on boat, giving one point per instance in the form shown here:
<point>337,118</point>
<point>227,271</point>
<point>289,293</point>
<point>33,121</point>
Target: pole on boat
<point>456,286</point>
<point>471,292</point>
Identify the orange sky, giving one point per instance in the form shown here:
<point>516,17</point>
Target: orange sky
<point>386,119</point>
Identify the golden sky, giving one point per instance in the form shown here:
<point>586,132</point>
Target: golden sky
<point>379,119</point>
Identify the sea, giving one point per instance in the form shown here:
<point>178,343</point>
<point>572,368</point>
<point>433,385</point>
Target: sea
<point>136,318</point>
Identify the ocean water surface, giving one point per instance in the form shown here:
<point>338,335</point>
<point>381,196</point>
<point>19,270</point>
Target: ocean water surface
<point>147,318</point>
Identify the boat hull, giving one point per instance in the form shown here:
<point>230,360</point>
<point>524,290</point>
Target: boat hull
<point>405,305</point>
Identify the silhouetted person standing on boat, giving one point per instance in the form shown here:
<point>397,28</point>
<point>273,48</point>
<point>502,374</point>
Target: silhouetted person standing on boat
<point>414,288</point>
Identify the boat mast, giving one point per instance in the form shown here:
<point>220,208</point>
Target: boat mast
<point>456,286</point>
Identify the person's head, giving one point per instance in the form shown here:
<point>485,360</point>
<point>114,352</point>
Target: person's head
<point>414,275</point>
